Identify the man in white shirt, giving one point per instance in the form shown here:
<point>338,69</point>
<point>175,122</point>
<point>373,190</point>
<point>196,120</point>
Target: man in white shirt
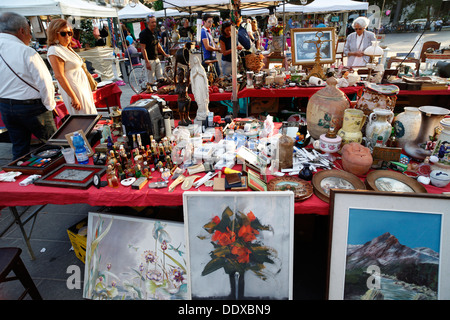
<point>27,94</point>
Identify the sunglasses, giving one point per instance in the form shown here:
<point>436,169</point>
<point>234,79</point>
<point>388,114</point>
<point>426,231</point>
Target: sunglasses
<point>359,29</point>
<point>64,33</point>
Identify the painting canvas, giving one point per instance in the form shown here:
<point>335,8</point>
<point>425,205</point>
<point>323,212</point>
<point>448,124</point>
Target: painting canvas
<point>389,247</point>
<point>239,244</point>
<point>305,42</point>
<point>131,258</point>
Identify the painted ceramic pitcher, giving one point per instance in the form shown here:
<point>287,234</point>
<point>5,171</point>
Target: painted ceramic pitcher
<point>379,125</point>
<point>353,122</point>
<point>377,96</point>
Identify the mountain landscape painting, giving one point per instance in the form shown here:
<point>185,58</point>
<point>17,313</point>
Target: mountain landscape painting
<point>403,246</point>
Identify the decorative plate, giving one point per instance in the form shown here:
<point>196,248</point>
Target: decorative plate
<point>325,180</point>
<point>386,180</point>
<point>49,152</point>
<point>302,189</point>
<point>387,89</point>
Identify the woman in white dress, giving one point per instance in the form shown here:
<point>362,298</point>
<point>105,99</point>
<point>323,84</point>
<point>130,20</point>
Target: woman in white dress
<point>357,42</point>
<point>67,67</point>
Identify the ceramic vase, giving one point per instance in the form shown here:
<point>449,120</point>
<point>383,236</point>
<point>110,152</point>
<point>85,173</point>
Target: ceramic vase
<point>377,96</point>
<point>379,125</point>
<point>431,116</point>
<point>407,125</point>
<point>353,122</point>
<point>442,148</point>
<point>325,109</point>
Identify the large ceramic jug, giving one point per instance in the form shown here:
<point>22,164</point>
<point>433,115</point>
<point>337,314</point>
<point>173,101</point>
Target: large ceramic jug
<point>407,125</point>
<point>379,125</point>
<point>382,96</point>
<point>431,116</point>
<point>325,109</point>
<point>353,122</point>
<point>442,148</point>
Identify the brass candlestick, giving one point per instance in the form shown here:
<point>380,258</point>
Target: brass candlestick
<point>317,70</point>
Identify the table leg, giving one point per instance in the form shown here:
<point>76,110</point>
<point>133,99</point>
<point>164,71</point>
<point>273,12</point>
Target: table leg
<point>21,224</point>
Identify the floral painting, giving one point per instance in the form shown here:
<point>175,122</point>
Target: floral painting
<point>239,244</point>
<point>131,258</point>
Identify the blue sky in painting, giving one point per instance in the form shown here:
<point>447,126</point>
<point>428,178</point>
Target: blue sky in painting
<point>411,229</point>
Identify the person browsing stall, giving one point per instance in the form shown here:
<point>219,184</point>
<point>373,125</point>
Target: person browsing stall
<point>150,47</point>
<point>208,46</point>
<point>67,66</point>
<point>225,47</point>
<point>27,94</point>
<point>131,53</point>
<point>185,31</point>
<point>357,42</point>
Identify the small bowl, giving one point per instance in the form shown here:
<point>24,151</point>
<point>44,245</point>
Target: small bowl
<point>439,178</point>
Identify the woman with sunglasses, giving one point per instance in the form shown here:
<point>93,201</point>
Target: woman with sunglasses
<point>67,67</point>
<point>357,42</point>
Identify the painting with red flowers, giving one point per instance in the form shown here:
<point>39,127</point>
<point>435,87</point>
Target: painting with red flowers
<point>239,244</point>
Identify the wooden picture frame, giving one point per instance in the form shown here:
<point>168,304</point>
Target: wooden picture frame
<point>74,122</point>
<point>302,189</point>
<point>304,51</point>
<point>388,245</point>
<point>388,180</point>
<point>325,180</point>
<point>76,176</point>
<point>239,244</point>
<point>69,138</point>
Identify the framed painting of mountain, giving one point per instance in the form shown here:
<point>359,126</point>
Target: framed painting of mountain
<point>239,244</point>
<point>389,246</point>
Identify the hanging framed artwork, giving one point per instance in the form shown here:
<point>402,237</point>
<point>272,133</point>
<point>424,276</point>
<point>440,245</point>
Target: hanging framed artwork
<point>130,258</point>
<point>305,42</point>
<point>389,246</point>
<point>239,244</point>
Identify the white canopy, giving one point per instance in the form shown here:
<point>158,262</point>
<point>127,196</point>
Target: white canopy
<point>78,8</point>
<point>322,6</point>
<point>170,13</point>
<point>135,11</point>
<point>288,8</point>
<point>214,5</point>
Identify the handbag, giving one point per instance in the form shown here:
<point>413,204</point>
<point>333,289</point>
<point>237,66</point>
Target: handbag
<point>92,82</point>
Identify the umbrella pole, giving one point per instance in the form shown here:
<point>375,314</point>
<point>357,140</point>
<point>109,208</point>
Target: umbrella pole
<point>234,98</point>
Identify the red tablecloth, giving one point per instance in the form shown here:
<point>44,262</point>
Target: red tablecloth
<point>284,93</point>
<point>252,93</point>
<point>15,195</point>
<point>104,97</point>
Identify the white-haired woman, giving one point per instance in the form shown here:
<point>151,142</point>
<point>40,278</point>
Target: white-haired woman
<point>357,42</point>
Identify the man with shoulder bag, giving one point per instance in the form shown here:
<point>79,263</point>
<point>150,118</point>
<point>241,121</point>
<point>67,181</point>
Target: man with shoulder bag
<point>27,94</point>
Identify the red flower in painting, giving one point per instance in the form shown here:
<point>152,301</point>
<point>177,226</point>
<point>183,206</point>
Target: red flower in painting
<point>243,254</point>
<point>216,220</point>
<point>247,233</point>
<point>224,238</point>
<point>234,236</point>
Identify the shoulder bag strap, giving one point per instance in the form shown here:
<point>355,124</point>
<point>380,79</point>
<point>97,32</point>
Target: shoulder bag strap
<point>17,74</point>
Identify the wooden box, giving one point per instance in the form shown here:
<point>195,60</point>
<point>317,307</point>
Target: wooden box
<point>56,141</point>
<point>260,105</point>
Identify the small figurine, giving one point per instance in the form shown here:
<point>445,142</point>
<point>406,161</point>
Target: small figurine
<point>184,101</point>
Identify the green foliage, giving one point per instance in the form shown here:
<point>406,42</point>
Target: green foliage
<point>158,5</point>
<point>87,33</point>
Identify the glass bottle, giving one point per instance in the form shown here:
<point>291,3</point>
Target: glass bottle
<point>286,150</point>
